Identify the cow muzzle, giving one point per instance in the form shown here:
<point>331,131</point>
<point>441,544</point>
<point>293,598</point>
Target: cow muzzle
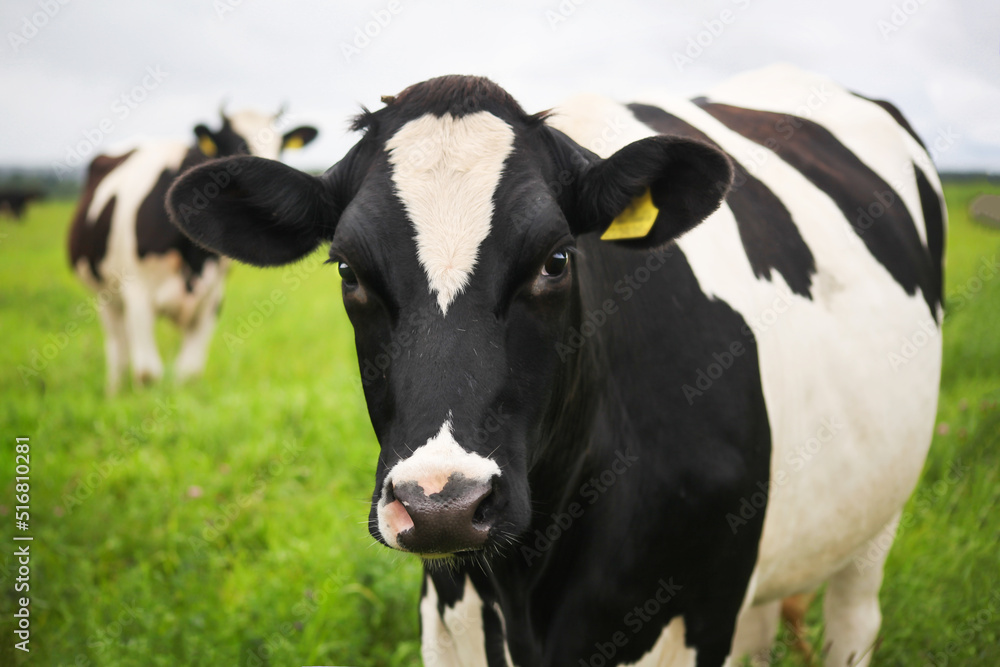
<point>457,518</point>
<point>441,500</point>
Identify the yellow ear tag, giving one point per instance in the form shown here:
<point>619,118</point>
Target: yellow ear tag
<point>635,221</point>
<point>294,142</point>
<point>207,146</point>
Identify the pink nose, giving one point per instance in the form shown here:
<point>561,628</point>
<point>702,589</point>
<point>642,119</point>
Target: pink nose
<point>457,518</point>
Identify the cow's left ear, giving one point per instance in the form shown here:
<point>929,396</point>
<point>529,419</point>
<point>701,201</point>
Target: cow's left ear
<point>298,137</point>
<point>651,191</point>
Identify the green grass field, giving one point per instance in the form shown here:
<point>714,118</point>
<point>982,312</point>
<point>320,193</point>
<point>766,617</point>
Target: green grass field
<point>224,522</point>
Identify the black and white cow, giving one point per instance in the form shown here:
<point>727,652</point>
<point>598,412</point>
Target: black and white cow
<point>122,245</point>
<point>626,435</point>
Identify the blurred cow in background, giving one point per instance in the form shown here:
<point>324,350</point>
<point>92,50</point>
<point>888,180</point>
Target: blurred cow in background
<point>122,243</point>
<point>14,201</point>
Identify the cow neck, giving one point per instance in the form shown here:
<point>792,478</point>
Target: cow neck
<point>569,421</point>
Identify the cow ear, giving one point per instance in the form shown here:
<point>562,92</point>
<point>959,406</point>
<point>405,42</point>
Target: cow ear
<point>206,141</point>
<point>651,191</point>
<point>258,211</point>
<point>298,137</point>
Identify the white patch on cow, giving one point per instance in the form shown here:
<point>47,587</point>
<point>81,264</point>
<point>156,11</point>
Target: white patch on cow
<point>866,129</point>
<point>456,638</point>
<point>262,136</point>
<point>430,466</point>
<point>850,423</point>
<point>445,170</point>
<point>670,649</point>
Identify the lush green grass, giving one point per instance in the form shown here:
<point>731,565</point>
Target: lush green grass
<point>223,522</point>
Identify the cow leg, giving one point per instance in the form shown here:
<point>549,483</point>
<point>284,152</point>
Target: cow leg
<point>198,335</point>
<point>140,317</point>
<point>755,631</point>
<point>115,344</point>
<point>851,607</point>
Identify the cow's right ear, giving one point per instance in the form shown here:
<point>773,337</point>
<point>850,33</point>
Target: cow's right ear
<point>258,211</point>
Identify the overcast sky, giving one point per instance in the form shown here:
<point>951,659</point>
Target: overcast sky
<point>65,68</point>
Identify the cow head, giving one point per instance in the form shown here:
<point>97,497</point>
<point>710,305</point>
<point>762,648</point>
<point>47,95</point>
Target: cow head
<point>453,224</point>
<point>251,133</point>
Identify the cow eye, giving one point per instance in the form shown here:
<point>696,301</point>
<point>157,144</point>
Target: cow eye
<point>347,274</point>
<point>556,263</point>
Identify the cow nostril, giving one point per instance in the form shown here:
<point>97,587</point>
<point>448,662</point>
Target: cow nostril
<point>484,515</point>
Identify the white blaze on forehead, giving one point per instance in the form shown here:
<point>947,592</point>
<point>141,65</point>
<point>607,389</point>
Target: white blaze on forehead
<point>446,170</point>
<point>260,131</point>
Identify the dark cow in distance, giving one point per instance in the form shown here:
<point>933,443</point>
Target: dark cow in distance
<point>122,245</point>
<point>649,378</point>
<point>14,201</point>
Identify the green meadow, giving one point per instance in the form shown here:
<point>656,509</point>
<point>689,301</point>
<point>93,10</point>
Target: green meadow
<point>224,522</point>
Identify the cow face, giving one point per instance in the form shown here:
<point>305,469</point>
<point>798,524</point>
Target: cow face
<point>453,225</point>
<point>251,133</point>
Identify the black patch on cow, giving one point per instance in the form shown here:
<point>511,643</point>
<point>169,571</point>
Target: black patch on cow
<point>156,235</point>
<point>934,224</point>
<point>89,239</point>
<point>897,115</point>
<point>770,237</point>
<point>872,208</point>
